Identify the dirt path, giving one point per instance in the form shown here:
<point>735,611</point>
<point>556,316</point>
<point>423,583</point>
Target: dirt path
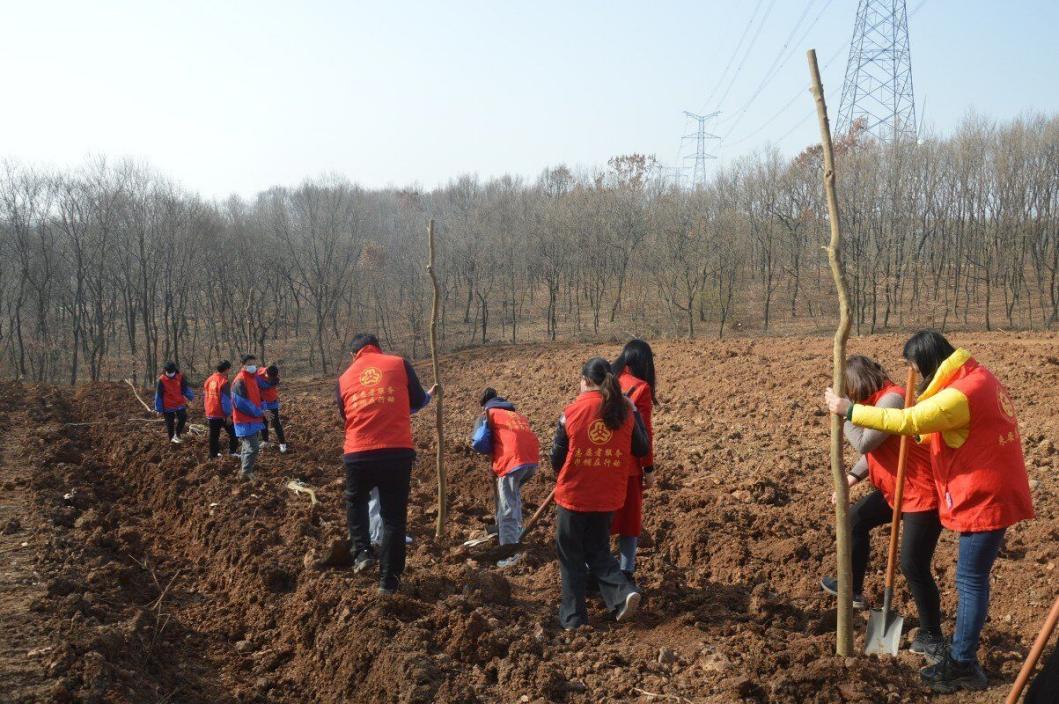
<point>25,641</point>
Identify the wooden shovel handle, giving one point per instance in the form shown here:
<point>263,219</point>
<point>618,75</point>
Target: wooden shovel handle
<point>899,488</point>
<point>537,515</point>
<point>1035,654</point>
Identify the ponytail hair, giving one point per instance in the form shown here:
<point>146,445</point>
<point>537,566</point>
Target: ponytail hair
<point>638,359</point>
<point>488,394</point>
<point>614,409</point>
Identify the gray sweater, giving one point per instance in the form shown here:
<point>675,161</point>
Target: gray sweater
<point>864,440</point>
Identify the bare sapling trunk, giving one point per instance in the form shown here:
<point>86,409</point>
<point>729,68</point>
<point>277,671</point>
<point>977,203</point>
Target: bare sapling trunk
<point>443,493</point>
<point>844,644</point>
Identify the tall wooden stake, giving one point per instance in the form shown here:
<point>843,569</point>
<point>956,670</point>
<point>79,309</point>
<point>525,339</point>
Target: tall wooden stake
<point>844,644</point>
<point>443,490</point>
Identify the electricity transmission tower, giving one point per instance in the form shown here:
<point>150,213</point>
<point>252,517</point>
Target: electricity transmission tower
<point>698,170</point>
<point>878,87</point>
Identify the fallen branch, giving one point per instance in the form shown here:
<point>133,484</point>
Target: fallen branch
<point>654,695</point>
<point>137,394</point>
<point>299,487</point>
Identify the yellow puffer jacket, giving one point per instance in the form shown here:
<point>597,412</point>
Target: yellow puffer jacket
<point>938,409</point>
<point>969,421</point>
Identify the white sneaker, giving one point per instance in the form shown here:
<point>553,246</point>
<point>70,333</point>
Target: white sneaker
<point>511,561</point>
<point>632,603</point>
<point>283,448</point>
<point>176,440</point>
<point>234,454</point>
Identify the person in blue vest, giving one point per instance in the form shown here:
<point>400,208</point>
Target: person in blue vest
<point>171,397</point>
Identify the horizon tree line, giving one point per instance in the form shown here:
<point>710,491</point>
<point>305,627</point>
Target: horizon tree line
<point>110,269</point>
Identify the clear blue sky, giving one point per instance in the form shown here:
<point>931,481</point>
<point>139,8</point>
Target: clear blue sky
<point>230,96</point>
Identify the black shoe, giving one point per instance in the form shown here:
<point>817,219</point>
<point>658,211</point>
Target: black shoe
<point>364,560</point>
<point>949,675</point>
<point>390,588</point>
<point>930,645</point>
<point>830,585</point>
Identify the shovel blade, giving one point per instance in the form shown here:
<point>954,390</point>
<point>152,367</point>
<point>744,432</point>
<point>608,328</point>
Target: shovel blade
<point>478,541</point>
<point>884,633</point>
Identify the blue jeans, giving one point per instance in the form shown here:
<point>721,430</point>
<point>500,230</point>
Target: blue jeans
<point>509,503</point>
<point>627,552</point>
<point>978,551</point>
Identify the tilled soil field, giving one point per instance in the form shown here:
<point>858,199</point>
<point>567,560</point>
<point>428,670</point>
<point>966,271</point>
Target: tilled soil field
<point>141,572</point>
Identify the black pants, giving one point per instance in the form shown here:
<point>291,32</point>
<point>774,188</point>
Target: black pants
<point>583,543</point>
<point>215,436</point>
<point>175,422</point>
<point>919,538</point>
<point>274,412</point>
<point>392,477</point>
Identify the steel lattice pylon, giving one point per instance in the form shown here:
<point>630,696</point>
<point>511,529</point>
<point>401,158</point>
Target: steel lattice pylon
<point>698,171</point>
<point>878,87</point>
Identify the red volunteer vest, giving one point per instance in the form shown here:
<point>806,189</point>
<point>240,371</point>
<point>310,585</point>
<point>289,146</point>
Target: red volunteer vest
<point>271,393</point>
<point>920,493</point>
<point>982,485</point>
<point>172,393</point>
<point>640,394</point>
<point>599,461</point>
<point>253,394</point>
<point>514,442</point>
<point>374,393</point>
<point>212,391</point>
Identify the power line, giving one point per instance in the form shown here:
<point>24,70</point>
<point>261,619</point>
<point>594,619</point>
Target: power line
<point>731,58</point>
<point>746,55</point>
<point>777,64</point>
<point>799,94</point>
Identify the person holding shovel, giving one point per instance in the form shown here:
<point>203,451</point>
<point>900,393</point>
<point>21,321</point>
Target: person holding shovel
<point>171,396</point>
<point>377,395</point>
<point>597,443</point>
<point>505,435</point>
<point>868,383</point>
<point>635,371</point>
<point>979,475</point>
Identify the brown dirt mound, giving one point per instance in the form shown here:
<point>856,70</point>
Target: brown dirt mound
<point>168,578</point>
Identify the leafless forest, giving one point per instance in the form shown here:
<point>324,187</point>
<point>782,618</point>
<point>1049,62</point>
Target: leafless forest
<point>110,269</point>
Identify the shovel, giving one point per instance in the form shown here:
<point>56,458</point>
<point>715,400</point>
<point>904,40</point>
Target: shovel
<point>884,626</point>
<point>525,530</point>
<point>1035,654</point>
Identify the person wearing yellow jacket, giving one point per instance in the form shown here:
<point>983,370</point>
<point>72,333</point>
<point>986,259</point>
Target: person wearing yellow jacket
<point>967,419</point>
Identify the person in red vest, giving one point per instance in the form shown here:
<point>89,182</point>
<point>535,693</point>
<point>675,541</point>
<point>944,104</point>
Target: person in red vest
<point>377,396</point>
<point>635,371</point>
<point>247,414</point>
<point>217,404</point>
<point>505,435</point>
<point>597,443</point>
<point>979,476</point>
<point>171,396</point>
<point>268,381</point>
<point>868,383</point>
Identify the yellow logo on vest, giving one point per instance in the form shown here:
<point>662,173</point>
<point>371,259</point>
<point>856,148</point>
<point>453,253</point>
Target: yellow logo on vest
<point>1006,406</point>
<point>370,377</point>
<point>599,433</point>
